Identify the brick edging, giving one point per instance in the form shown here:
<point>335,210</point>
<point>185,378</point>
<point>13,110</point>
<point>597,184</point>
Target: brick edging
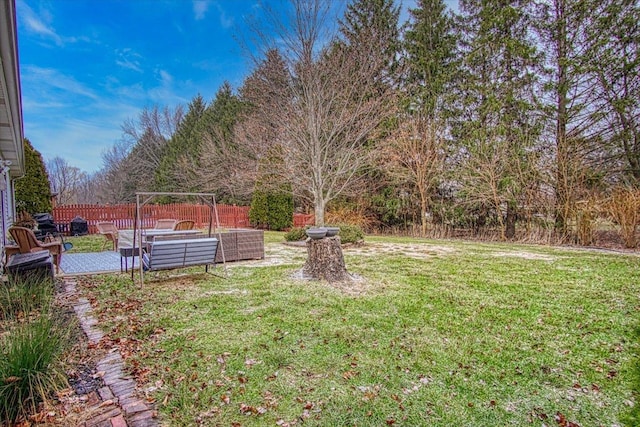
<point>118,406</point>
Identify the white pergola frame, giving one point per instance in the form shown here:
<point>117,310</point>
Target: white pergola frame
<point>207,198</point>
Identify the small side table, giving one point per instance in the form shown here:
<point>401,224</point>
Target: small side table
<point>127,252</point>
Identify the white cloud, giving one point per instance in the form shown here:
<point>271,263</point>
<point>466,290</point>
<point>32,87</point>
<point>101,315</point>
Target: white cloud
<point>166,79</point>
<point>80,138</point>
<point>127,58</point>
<point>36,24</point>
<point>45,79</point>
<point>200,8</point>
<point>225,21</point>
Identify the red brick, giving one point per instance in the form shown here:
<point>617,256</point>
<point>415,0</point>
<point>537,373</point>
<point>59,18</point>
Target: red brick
<point>118,421</point>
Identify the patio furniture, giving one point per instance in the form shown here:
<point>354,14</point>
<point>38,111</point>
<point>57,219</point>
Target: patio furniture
<point>185,224</point>
<point>171,254</point>
<point>110,232</point>
<point>165,224</point>
<point>10,250</point>
<point>240,244</point>
<point>127,252</point>
<point>37,264</point>
<point>28,243</point>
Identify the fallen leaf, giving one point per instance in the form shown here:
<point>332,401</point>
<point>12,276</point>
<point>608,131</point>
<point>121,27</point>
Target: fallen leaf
<point>349,374</point>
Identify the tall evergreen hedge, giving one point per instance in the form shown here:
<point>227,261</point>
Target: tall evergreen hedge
<point>33,191</point>
<point>272,210</point>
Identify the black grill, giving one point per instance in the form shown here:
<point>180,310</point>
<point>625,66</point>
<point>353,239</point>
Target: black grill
<point>78,227</point>
<point>45,223</point>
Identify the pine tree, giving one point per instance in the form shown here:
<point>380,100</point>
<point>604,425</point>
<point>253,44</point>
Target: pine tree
<point>33,191</point>
<point>186,141</point>
<point>429,45</point>
<point>616,66</point>
<point>373,25</point>
<point>565,32</point>
<point>496,128</point>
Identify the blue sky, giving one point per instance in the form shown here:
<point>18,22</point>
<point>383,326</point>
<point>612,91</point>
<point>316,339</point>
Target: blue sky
<point>88,65</point>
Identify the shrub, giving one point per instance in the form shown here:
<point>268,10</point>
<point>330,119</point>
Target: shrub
<point>21,296</point>
<point>586,214</point>
<point>30,369</point>
<point>624,208</point>
<point>355,215</point>
<point>280,210</point>
<point>272,210</point>
<point>259,210</point>
<point>350,233</point>
<point>296,234</point>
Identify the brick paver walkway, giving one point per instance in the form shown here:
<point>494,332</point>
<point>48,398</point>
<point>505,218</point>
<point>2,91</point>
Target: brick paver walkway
<point>115,404</point>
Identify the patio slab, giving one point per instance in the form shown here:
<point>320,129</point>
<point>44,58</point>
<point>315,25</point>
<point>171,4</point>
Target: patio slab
<point>92,263</point>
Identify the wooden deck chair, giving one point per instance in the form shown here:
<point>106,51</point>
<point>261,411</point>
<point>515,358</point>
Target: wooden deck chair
<point>186,224</point>
<point>110,232</point>
<point>165,224</point>
<point>26,240</point>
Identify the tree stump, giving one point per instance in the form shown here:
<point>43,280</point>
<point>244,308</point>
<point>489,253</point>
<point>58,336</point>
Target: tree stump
<point>325,260</point>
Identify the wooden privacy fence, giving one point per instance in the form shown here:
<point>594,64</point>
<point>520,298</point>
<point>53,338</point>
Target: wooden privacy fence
<point>123,215</point>
<point>300,220</point>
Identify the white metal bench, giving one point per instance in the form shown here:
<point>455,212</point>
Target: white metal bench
<point>170,254</point>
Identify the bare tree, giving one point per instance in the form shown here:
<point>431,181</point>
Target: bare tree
<point>333,105</point>
<point>144,139</point>
<point>115,182</point>
<point>65,180</point>
<point>415,154</point>
<point>88,189</point>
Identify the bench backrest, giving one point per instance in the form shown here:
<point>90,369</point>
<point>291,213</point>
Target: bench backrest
<point>170,254</point>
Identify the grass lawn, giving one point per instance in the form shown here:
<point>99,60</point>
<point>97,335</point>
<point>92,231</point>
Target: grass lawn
<point>435,333</point>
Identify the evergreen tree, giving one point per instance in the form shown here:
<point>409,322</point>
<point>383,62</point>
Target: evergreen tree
<point>429,45</point>
<point>171,173</point>
<point>373,25</point>
<point>496,125</point>
<point>33,191</point>
<point>219,159</point>
<point>565,31</point>
<point>616,66</point>
<point>272,201</point>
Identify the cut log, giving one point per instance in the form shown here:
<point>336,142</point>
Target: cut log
<point>325,260</point>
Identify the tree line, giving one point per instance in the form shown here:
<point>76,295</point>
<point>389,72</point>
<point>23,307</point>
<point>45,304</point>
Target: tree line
<point>519,116</point>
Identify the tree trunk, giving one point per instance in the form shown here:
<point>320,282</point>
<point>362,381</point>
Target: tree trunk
<point>510,220</point>
<point>325,260</point>
<point>319,206</point>
<point>423,213</point>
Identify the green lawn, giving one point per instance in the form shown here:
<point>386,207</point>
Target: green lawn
<point>434,333</point>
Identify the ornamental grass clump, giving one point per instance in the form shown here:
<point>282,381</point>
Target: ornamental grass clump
<point>624,208</point>
<point>21,296</point>
<point>34,333</point>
